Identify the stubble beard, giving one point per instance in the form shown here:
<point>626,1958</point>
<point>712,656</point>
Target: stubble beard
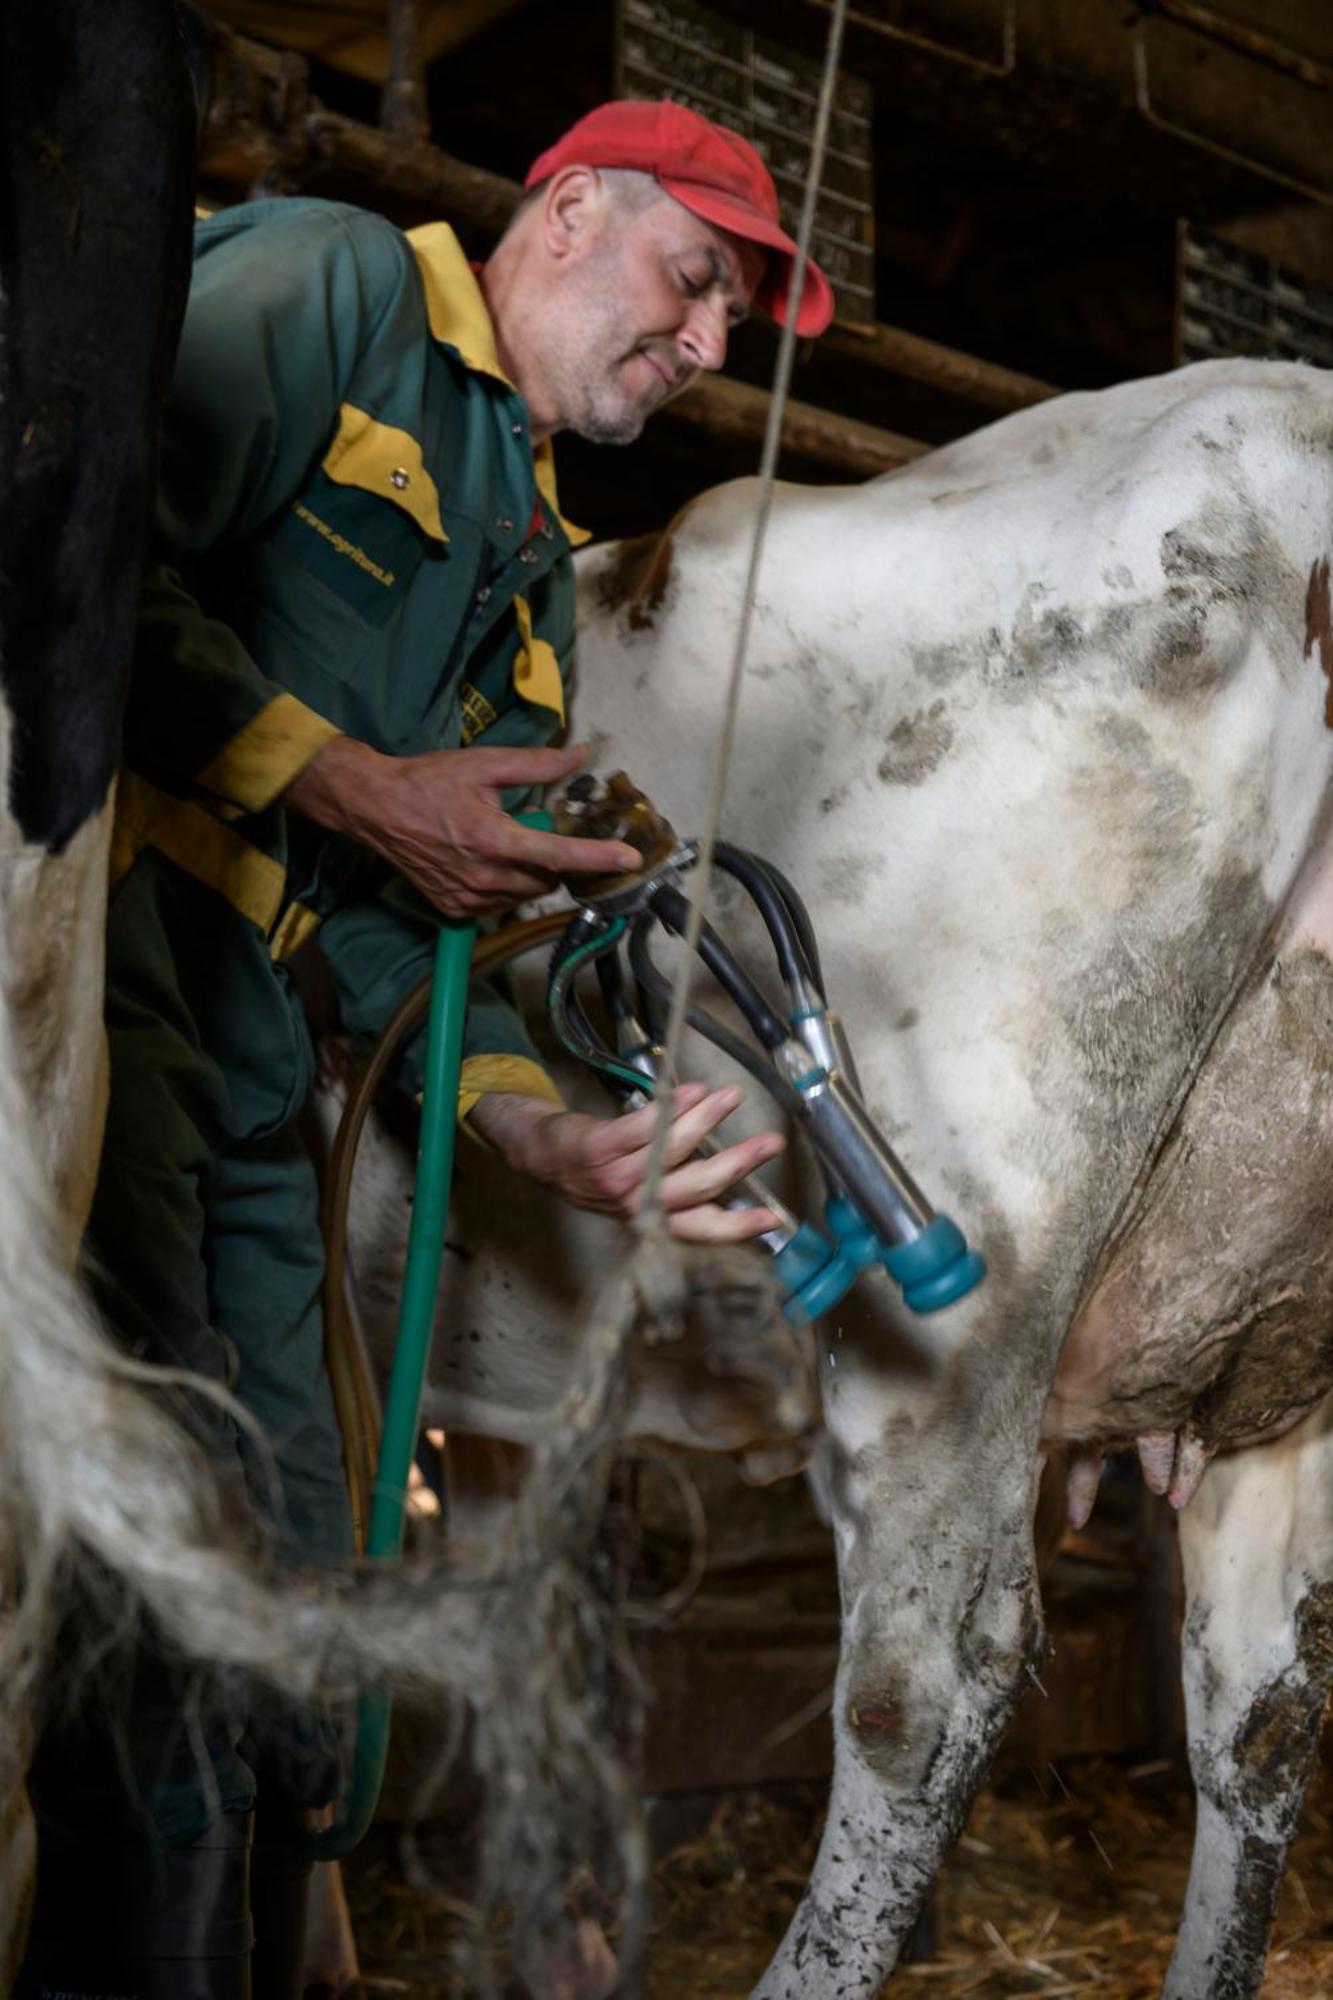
<point>599,404</point>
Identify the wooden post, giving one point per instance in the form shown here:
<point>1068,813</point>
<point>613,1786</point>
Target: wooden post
<point>403,105</point>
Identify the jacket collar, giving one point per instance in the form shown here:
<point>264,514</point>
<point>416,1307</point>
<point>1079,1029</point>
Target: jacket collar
<point>458,318</point>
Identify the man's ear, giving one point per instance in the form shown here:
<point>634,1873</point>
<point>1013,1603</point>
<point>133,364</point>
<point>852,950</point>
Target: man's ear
<point>572,211</point>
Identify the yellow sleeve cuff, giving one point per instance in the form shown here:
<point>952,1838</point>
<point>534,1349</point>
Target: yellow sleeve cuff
<point>518,1074</point>
<point>261,760</point>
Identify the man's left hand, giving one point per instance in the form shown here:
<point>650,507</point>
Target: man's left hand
<point>600,1163</point>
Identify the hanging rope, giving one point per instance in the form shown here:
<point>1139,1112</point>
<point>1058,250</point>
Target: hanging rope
<point>651,1222</point>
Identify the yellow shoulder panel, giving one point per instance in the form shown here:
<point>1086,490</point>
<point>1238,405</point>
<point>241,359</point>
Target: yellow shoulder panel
<point>383,460</point>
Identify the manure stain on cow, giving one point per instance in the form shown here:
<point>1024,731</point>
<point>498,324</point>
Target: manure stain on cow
<point>1319,628</point>
<point>1227,578</point>
<point>917,745</point>
<point>1125,1019</point>
<point>1142,805</point>
<point>845,878</point>
<point>987,1225</point>
<point>1265,1776</point>
<point>955,496</point>
<point>1234,1346</point>
<point>637,580</point>
<point>1273,1741</point>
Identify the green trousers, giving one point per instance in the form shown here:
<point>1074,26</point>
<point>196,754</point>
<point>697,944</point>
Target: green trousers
<point>206,1256</point>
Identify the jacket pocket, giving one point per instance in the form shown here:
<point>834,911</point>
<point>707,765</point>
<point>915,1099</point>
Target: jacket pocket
<point>337,550</point>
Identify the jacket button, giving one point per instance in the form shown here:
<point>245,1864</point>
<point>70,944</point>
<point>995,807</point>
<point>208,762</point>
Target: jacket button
<point>528,554</point>
<point>399,478</point>
<point>517,430</point>
<point>483,594</point>
<point>505,525</point>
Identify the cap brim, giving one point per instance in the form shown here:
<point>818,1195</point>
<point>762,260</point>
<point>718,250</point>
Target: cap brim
<point>772,294</point>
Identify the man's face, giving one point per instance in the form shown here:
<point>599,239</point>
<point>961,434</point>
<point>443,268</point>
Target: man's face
<point>647,311</point>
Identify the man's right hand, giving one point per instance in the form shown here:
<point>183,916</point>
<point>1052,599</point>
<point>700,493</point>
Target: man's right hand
<point>438,819</point>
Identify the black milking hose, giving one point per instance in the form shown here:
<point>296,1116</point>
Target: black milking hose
<point>789,933</point>
<point>798,914</point>
<point>674,909</point>
<point>611,981</point>
<point>656,989</point>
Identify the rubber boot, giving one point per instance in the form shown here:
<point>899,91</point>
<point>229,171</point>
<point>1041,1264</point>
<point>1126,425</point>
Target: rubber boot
<point>281,1864</point>
<point>130,1918</point>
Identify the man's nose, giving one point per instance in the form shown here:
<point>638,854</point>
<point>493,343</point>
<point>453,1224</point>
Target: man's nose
<point>703,338</point>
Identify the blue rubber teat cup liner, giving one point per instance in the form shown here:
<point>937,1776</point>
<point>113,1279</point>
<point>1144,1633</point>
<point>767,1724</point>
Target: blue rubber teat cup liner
<point>936,1268</point>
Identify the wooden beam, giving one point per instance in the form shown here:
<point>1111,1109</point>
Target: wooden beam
<point>947,368</point>
<point>739,413</point>
<point>414,171</point>
<point>261,120</point>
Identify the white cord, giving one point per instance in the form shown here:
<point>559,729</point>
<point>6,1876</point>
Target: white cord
<point>650,1222</point>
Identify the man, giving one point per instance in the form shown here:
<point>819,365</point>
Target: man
<point>351,651</point>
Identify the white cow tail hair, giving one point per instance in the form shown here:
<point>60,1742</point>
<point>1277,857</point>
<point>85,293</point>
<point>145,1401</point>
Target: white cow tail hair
<point>103,1485</point>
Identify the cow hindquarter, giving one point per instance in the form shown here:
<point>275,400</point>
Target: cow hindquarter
<point>1035,728</point>
<point>1212,1332</point>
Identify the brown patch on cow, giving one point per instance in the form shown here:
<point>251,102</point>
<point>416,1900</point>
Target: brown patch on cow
<point>636,579</point>
<point>1319,629</point>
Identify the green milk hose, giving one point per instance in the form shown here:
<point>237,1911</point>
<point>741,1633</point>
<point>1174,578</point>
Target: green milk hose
<point>407,1381</point>
<point>416,1324</point>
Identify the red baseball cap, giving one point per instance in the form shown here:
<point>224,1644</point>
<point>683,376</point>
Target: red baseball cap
<point>711,171</point>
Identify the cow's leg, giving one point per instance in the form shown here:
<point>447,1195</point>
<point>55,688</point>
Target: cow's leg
<point>1257,1544</point>
<point>941,1623</point>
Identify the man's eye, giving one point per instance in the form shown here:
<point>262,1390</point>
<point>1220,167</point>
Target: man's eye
<point>694,288</point>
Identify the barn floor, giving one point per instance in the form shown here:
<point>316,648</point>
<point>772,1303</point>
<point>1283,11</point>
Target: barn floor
<point>1062,1883</point>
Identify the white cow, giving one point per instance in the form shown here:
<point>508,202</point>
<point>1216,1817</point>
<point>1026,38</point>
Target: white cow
<point>1043,728</point>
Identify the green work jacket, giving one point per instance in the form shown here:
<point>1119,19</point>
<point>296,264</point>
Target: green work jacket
<point>354,535</point>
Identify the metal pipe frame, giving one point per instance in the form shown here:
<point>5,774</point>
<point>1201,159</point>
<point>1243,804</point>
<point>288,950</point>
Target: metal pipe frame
<point>1200,140</point>
<point>1249,41</point>
<point>946,51</point>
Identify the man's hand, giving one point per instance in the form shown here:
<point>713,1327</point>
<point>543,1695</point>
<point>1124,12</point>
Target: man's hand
<point>600,1163</point>
<point>438,819</point>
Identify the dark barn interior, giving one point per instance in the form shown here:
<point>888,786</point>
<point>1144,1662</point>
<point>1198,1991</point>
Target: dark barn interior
<point>1055,195</point>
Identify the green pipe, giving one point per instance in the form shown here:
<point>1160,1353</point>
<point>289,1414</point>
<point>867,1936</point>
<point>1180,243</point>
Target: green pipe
<point>425,1243</point>
<point>412,1341</point>
<point>407,1380</point>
